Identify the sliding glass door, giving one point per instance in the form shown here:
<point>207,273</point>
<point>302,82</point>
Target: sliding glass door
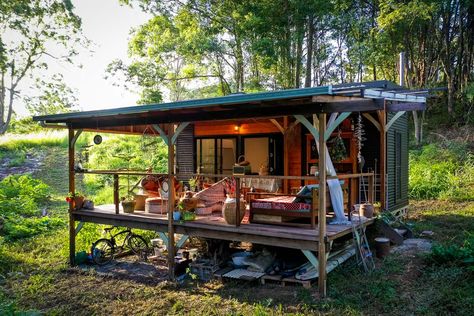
<point>216,155</point>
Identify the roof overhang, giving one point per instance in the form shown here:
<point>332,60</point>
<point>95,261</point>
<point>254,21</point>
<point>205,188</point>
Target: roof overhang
<point>359,97</point>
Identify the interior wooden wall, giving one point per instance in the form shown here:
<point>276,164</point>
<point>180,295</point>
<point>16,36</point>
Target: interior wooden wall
<point>228,128</point>
<point>294,155</point>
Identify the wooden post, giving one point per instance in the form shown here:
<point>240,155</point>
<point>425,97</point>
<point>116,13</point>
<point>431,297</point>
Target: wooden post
<point>171,202</point>
<point>322,207</point>
<point>314,202</point>
<point>237,202</point>
<point>286,160</point>
<point>370,195</point>
<point>72,189</point>
<point>116,193</point>
<point>383,154</point>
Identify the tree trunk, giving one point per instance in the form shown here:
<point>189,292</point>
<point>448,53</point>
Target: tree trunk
<point>416,123</point>
<point>309,54</point>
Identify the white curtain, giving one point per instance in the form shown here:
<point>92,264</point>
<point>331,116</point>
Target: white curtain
<point>335,188</point>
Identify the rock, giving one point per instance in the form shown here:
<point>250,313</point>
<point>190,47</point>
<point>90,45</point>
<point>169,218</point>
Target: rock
<point>413,246</point>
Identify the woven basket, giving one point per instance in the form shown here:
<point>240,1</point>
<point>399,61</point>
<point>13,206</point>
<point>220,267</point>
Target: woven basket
<point>228,211</point>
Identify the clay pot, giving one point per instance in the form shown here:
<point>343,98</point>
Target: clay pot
<point>140,202</point>
<point>366,210</point>
<point>128,206</point>
<point>78,202</point>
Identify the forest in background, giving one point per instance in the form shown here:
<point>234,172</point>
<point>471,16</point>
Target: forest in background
<point>202,48</point>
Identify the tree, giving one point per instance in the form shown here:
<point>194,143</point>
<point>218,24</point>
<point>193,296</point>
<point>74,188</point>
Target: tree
<point>55,97</point>
<point>32,31</point>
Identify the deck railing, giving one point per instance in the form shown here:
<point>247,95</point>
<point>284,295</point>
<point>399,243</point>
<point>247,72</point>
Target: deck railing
<point>352,178</point>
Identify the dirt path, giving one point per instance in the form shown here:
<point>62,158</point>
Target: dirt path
<point>32,163</point>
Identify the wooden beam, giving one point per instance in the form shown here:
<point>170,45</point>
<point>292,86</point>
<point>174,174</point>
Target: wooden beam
<point>161,132</point>
<point>79,227</point>
<point>332,127</point>
<point>72,189</point>
<point>171,202</point>
<point>76,136</point>
<point>286,159</point>
<point>322,207</point>
<point>393,120</point>
<point>281,128</point>
<point>383,157</point>
<point>303,120</point>
<point>397,107</point>
<point>373,120</point>
<point>178,131</point>
<point>116,193</point>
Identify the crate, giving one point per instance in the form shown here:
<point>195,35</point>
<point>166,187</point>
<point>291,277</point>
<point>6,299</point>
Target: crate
<point>203,269</point>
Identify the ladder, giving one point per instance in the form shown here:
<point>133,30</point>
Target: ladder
<point>363,253</point>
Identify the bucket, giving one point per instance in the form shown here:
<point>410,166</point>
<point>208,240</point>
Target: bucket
<point>140,202</point>
<point>382,246</point>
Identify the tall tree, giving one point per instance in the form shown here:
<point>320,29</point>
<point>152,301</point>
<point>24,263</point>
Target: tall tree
<point>30,33</point>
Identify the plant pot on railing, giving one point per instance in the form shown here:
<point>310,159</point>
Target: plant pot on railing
<point>128,206</point>
<point>228,210</point>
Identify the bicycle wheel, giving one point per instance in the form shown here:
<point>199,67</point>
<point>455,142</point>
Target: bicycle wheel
<point>102,251</point>
<point>137,244</point>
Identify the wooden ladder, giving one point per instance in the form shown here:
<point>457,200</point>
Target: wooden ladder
<point>363,253</point>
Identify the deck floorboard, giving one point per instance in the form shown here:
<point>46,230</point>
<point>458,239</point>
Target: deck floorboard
<point>216,227</point>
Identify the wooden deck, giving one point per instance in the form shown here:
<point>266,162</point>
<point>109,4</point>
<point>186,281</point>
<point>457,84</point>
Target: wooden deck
<point>215,227</point>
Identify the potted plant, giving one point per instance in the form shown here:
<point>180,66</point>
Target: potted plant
<point>76,199</point>
<point>193,183</point>
<point>128,204</point>
<point>177,213</point>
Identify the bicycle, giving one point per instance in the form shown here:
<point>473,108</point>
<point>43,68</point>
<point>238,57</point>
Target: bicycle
<point>104,249</point>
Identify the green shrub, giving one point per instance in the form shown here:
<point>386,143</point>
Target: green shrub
<point>442,173</point>
<point>454,255</point>
<point>20,200</point>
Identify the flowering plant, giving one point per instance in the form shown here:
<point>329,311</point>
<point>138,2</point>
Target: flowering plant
<point>70,196</point>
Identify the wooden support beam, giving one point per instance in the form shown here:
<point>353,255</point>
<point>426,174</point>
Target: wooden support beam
<point>116,193</point>
<point>178,131</point>
<point>280,128</point>
<point>237,202</point>
<point>397,107</point>
<point>303,120</point>
<point>161,132</point>
<point>72,189</point>
<point>181,241</point>
<point>171,202</point>
<point>311,258</point>
<point>383,157</point>
<point>331,128</point>
<point>322,207</point>
<point>373,120</point>
<point>314,203</point>
<point>286,160</point>
<point>79,227</point>
<point>393,120</point>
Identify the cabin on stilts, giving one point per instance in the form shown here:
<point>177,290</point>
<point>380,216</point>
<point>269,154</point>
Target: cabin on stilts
<point>363,128</point>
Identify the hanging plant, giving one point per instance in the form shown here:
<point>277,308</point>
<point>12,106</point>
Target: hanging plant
<point>337,149</point>
<point>359,135</point>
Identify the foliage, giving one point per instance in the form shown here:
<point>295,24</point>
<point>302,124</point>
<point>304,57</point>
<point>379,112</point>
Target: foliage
<point>446,173</point>
<point>55,97</point>
<point>32,28</point>
<point>454,255</point>
<point>20,197</point>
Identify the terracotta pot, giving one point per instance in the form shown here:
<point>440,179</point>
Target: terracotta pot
<point>128,206</point>
<point>78,202</point>
<point>140,202</point>
<point>366,210</point>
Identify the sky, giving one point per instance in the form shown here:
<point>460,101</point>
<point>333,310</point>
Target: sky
<point>107,24</point>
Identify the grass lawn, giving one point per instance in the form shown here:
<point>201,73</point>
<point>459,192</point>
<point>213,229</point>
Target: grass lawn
<point>38,279</point>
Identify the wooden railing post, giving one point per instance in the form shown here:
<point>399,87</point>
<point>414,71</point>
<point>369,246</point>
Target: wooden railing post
<point>116,193</point>
<point>370,195</point>
<point>171,203</point>
<point>237,201</point>
<point>322,207</point>
<point>72,189</point>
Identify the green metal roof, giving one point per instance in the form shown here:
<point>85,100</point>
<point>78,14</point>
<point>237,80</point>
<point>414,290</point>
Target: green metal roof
<point>241,98</point>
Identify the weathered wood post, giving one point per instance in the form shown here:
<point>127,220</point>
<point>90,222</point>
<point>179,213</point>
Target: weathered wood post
<point>237,201</point>
<point>322,207</point>
<point>171,202</point>
<point>72,189</point>
<point>382,115</point>
<point>116,193</point>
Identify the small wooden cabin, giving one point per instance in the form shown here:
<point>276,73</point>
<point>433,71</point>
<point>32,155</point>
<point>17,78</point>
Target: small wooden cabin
<point>278,133</point>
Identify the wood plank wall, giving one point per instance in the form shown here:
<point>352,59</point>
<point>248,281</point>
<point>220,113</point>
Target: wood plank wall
<point>203,129</point>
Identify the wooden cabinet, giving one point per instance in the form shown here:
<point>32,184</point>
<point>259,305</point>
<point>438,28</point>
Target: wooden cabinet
<point>345,164</point>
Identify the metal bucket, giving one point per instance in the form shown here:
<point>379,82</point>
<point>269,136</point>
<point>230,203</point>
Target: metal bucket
<point>382,247</point>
